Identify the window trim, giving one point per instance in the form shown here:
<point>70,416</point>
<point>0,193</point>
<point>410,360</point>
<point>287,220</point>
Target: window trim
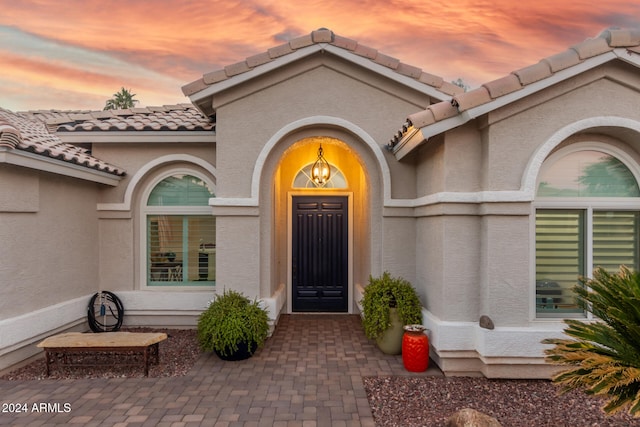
<point>589,204</point>
<point>145,211</point>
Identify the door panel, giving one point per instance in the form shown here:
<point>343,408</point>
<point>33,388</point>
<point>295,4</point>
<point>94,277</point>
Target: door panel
<point>320,253</point>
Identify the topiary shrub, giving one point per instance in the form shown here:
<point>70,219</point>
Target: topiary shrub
<point>604,357</point>
<point>232,320</point>
<point>383,293</point>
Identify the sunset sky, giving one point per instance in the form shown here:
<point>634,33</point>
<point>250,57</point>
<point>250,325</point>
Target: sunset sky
<point>75,54</point>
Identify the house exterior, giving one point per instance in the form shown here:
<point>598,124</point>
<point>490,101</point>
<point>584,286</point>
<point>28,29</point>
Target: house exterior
<point>490,202</point>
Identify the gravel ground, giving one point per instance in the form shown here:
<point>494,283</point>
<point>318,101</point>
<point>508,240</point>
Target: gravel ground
<point>178,353</point>
<point>396,401</point>
<point>429,401</point>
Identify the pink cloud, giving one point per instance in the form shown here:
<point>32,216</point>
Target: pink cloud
<point>478,40</point>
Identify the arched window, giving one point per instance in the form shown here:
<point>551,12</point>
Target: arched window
<point>180,232</point>
<point>587,216</point>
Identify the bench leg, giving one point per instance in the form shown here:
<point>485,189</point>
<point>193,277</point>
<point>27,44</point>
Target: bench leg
<point>47,356</point>
<point>155,354</point>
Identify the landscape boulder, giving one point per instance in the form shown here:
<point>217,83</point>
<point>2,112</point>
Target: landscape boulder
<point>471,418</point>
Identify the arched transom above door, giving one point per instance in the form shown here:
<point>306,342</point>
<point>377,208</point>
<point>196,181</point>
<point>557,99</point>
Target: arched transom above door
<point>296,167</point>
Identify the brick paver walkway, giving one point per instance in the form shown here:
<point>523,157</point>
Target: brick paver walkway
<point>308,374</point>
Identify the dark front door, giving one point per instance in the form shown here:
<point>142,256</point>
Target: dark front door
<point>320,256</point>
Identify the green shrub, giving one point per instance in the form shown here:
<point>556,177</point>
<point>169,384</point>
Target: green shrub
<point>605,355</point>
<point>232,318</point>
<point>380,295</point>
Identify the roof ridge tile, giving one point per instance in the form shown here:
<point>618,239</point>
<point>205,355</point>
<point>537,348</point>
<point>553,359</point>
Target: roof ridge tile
<point>237,68</point>
<point>322,35</point>
<point>533,73</point>
<point>387,61</point>
<point>9,135</point>
<point>345,43</point>
<point>281,50</point>
<point>431,79</point>
<point>617,37</point>
<point>409,70</point>
<point>258,59</point>
<point>366,51</point>
<point>302,41</point>
<point>475,97</point>
<point>450,88</point>
<point>421,118</point>
<point>503,85</point>
<point>214,77</point>
<point>102,114</point>
<point>591,47</point>
<point>443,110</point>
<point>562,60</point>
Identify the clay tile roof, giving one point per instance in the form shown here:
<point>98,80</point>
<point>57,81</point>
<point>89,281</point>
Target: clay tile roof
<point>421,118</point>
<point>533,73</point>
<point>322,35</point>
<point>181,117</point>
<point>606,42</point>
<point>503,86</point>
<point>21,131</point>
<point>562,60</point>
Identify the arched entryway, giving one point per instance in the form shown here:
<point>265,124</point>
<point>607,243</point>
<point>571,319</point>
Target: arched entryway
<point>321,233</point>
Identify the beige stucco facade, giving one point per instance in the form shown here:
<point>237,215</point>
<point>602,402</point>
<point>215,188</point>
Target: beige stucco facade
<point>451,208</point>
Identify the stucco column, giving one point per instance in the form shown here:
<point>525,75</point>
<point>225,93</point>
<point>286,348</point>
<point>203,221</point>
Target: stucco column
<point>238,249</point>
<point>505,285</point>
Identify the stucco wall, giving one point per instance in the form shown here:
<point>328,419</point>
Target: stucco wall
<point>120,218</point>
<point>52,256</point>
<point>246,124</point>
<point>250,117</point>
<point>492,274</point>
<point>520,130</point>
<point>448,265</point>
<point>475,236</point>
<point>132,156</point>
<point>504,280</point>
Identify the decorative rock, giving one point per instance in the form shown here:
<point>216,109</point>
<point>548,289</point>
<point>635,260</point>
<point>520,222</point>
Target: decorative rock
<point>471,418</point>
<point>486,322</point>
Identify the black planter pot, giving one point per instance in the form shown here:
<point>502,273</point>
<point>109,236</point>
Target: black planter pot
<point>245,351</point>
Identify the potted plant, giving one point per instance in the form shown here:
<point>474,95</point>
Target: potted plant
<point>388,304</point>
<point>233,326</point>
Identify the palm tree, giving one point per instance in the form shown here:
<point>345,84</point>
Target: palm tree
<point>604,359</point>
<point>121,100</point>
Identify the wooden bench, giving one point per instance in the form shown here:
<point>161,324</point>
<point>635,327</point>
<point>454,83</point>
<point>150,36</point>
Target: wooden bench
<point>101,349</point>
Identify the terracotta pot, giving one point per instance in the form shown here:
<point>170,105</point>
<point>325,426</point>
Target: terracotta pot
<point>390,342</point>
<point>415,348</point>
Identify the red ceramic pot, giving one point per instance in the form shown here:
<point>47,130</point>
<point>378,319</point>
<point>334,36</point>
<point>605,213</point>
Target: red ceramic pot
<point>415,348</point>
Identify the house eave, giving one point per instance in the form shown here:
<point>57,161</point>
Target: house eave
<point>47,164</point>
<point>199,98</point>
<point>409,142</point>
<point>416,137</point>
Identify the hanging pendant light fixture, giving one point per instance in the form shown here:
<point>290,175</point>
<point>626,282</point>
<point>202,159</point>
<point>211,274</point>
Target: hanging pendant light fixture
<point>320,171</point>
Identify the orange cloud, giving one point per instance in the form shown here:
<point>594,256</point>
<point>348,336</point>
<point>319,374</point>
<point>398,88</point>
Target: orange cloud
<point>159,44</point>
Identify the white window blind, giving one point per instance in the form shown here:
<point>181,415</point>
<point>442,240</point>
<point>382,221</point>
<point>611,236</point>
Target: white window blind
<point>559,259</point>
<point>563,242</point>
<point>615,239</point>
